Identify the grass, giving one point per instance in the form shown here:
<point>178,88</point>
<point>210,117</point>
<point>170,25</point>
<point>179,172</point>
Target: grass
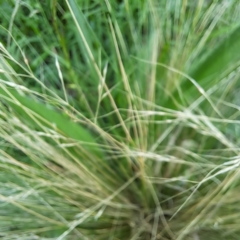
<point>119,119</point>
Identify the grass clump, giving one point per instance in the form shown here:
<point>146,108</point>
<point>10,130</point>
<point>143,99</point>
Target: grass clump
<point>119,119</point>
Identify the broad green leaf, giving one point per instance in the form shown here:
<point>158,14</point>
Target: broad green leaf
<point>48,117</point>
<point>222,58</point>
<point>214,65</point>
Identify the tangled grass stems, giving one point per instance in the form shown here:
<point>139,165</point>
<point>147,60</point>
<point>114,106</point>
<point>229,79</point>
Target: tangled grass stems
<point>119,120</point>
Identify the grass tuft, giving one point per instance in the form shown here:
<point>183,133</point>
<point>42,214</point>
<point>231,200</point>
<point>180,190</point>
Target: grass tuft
<point>119,119</point>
